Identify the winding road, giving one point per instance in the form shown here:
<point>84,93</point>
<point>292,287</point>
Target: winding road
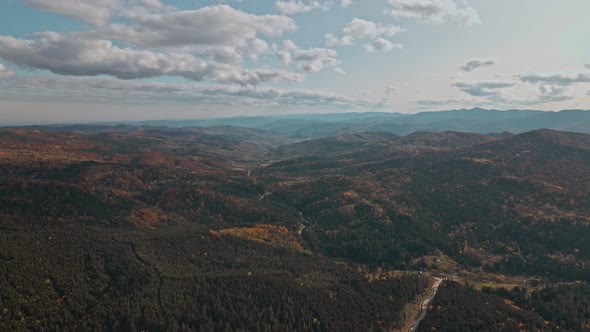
<point>425,304</point>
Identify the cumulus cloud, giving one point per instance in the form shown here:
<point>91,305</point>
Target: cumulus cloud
<point>475,64</point>
<point>332,40</point>
<point>363,29</point>
<point>558,79</point>
<point>67,55</point>
<point>435,11</point>
<point>108,90</point>
<point>252,49</point>
<point>381,45</point>
<point>484,88</point>
<point>311,60</point>
<point>219,25</point>
<point>359,28</point>
<point>293,7</point>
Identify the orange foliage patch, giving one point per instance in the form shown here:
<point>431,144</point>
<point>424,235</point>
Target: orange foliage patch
<point>146,218</point>
<point>279,236</point>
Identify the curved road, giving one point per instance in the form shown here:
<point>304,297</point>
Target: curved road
<point>425,304</point>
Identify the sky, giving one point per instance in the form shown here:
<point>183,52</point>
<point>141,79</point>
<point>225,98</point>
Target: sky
<point>64,61</point>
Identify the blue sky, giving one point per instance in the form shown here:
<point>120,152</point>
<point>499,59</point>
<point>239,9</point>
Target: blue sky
<point>97,60</point>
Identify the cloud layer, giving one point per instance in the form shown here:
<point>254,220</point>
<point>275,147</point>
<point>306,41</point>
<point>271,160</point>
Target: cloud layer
<point>109,90</point>
<point>240,52</point>
<point>208,26</point>
<point>68,55</point>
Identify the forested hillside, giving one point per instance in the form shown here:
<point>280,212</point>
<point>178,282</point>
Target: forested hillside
<point>224,228</point>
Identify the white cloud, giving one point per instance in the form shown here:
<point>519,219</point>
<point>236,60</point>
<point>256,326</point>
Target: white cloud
<point>359,28</point>
<point>363,29</point>
<point>332,40</point>
<point>311,60</point>
<point>253,49</point>
<point>475,64</point>
<point>67,55</point>
<point>293,7</point>
<point>5,72</point>
<point>339,71</point>
<point>435,11</point>
<point>381,45</point>
<point>219,25</point>
<point>345,3</point>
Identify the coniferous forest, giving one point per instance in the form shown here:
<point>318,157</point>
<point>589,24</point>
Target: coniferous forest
<point>234,229</point>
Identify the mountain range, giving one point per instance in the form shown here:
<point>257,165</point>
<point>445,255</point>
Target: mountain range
<point>310,126</point>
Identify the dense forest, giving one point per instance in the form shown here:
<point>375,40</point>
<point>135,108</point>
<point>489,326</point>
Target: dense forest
<point>83,276</point>
<point>563,307</point>
<point>224,228</point>
<point>462,308</point>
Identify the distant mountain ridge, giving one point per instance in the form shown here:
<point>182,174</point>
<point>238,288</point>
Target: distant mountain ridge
<point>312,126</point>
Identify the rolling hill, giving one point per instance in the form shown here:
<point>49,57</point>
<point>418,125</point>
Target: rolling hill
<point>182,228</point>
